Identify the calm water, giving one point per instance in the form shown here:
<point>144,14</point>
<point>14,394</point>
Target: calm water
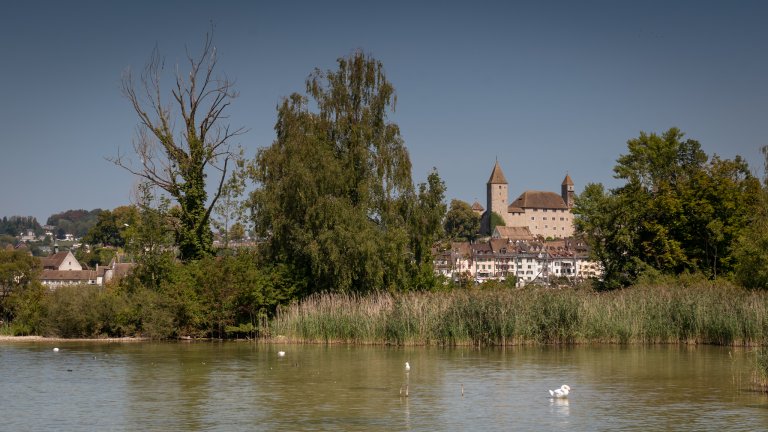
<point>242,386</point>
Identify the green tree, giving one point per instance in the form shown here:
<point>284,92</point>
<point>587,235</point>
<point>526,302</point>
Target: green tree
<point>335,197</point>
<point>496,220</point>
<point>751,249</point>
<point>19,271</point>
<point>110,227</point>
<point>678,211</point>
<point>180,162</point>
<point>461,222</point>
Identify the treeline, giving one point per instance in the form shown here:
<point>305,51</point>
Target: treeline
<point>14,225</point>
<point>76,222</point>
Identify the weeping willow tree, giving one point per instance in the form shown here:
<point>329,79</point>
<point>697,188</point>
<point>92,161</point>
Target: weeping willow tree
<point>334,193</point>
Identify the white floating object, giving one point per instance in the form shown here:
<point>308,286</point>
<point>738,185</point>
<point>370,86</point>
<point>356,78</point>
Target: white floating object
<point>55,350</point>
<point>407,367</point>
<point>562,392</point>
<point>281,353</point>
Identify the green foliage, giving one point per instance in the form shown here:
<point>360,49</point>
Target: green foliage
<point>19,272</point>
<point>496,220</point>
<point>461,222</point>
<point>14,225</point>
<point>75,222</point>
<point>751,250</point>
<point>335,198</point>
<point>110,228</point>
<point>678,211</point>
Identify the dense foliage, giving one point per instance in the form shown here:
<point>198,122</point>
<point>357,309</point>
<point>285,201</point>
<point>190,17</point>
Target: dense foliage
<point>461,222</point>
<point>334,196</point>
<point>678,211</point>
<point>75,222</point>
<point>16,224</point>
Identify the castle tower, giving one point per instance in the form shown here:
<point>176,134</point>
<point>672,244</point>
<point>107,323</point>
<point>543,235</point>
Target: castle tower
<point>566,191</point>
<point>498,193</point>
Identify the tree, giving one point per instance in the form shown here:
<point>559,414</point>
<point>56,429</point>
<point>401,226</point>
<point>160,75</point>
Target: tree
<point>751,248</point>
<point>335,197</point>
<point>18,271</point>
<point>111,226</point>
<point>461,222</point>
<point>179,163</point>
<point>496,220</point>
<point>679,210</point>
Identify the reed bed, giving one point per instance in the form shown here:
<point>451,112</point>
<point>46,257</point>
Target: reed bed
<point>703,312</point>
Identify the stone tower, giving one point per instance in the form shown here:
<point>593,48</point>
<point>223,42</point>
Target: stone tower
<point>566,191</point>
<point>498,193</point>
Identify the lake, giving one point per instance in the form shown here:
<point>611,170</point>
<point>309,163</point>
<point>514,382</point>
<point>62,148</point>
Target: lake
<point>232,386</point>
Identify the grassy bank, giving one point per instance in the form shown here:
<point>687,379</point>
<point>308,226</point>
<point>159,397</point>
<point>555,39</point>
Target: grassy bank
<point>702,312</point>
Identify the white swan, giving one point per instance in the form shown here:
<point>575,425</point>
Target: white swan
<point>407,367</point>
<point>562,392</point>
<point>281,353</point>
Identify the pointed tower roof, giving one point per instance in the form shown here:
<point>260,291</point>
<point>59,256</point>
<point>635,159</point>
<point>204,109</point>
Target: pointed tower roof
<point>476,206</point>
<point>497,177</point>
<point>567,181</point>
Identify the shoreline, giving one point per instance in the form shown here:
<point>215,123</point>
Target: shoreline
<point>6,338</point>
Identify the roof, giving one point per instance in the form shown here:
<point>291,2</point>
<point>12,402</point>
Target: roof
<point>477,207</point>
<point>567,181</point>
<point>55,260</point>
<point>497,177</point>
<point>514,232</point>
<point>68,275</point>
<point>539,200</point>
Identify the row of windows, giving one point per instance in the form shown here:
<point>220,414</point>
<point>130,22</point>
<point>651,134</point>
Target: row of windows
<point>545,218</point>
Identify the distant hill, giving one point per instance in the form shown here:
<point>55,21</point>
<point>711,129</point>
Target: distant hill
<point>76,222</point>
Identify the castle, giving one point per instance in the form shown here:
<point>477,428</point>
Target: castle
<point>546,214</point>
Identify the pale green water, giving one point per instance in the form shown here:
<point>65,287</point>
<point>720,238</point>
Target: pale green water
<point>243,386</point>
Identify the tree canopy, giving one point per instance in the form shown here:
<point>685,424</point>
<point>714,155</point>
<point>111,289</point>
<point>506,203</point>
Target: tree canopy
<point>461,222</point>
<point>335,197</point>
<point>679,210</point>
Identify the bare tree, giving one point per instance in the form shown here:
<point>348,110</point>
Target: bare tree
<point>179,163</point>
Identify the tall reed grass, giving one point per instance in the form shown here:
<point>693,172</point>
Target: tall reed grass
<point>702,312</point>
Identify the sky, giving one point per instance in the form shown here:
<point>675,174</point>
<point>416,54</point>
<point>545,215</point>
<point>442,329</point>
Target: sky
<point>545,87</point>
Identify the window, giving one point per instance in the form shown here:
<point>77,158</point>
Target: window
<point>545,210</point>
<point>545,218</point>
<point>533,217</point>
<point>562,218</point>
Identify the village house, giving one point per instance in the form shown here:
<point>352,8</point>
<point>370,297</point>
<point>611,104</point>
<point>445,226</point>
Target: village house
<point>62,268</point>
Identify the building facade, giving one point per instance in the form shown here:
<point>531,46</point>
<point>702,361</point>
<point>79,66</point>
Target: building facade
<point>545,214</point>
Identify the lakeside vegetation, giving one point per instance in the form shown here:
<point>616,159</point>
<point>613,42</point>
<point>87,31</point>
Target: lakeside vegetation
<point>674,311</point>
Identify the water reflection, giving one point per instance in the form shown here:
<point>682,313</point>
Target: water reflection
<point>245,386</point>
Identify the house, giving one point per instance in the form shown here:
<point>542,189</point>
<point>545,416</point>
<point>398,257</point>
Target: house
<point>543,262</point>
<point>62,268</point>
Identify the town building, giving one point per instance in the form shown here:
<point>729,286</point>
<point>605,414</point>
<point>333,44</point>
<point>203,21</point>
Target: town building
<point>546,214</point>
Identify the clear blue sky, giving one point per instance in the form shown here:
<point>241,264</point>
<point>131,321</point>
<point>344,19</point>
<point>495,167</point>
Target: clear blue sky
<point>547,87</point>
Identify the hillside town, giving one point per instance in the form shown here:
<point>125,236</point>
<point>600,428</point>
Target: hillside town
<point>536,244</point>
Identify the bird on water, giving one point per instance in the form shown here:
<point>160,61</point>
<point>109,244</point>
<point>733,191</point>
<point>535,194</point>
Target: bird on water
<point>562,392</point>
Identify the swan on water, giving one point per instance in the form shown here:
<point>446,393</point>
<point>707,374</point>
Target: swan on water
<point>281,353</point>
<point>407,367</point>
<point>562,392</point>
<point>55,350</point>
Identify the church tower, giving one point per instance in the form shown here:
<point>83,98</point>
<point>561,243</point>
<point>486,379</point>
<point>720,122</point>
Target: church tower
<point>566,191</point>
<point>498,193</point>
